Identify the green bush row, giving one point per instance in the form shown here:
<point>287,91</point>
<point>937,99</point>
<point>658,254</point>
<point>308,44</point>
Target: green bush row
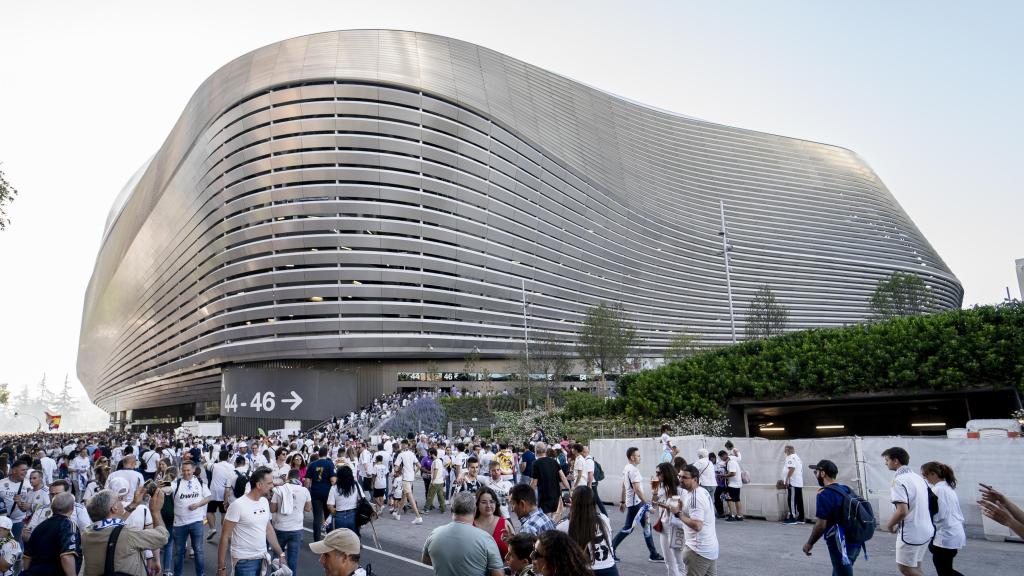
<point>979,347</point>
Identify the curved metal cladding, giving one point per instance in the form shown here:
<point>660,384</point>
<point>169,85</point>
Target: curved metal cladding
<point>368,194</point>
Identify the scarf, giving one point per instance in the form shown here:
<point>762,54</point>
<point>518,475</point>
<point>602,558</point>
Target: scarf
<point>107,523</point>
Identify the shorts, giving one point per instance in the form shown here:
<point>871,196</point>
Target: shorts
<point>734,494</point>
<point>214,506</point>
<point>909,554</point>
<point>407,487</point>
<point>379,492</point>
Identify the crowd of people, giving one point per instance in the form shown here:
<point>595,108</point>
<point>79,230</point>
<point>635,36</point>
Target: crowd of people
<point>144,504</point>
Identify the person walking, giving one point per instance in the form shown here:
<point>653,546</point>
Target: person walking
<point>436,489</point>
<point>459,549</point>
<point>320,475</point>
<point>793,478</point>
<point>409,465</point>
<point>222,479</point>
<point>591,531</point>
<point>523,501</point>
<point>10,548</point>
<point>912,522</point>
<point>56,545</point>
<point>130,544</point>
<point>289,504</point>
<point>829,512</point>
<point>190,499</point>
<point>12,489</point>
<point>733,484</point>
<point>548,480</point>
<point>668,502</point>
<point>949,521</point>
<point>339,552</point>
<point>697,519</point>
<point>634,503</point>
<point>526,464</point>
<point>247,529</point>
<point>344,499</point>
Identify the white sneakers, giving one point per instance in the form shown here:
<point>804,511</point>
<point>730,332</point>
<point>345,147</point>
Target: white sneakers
<point>418,520</point>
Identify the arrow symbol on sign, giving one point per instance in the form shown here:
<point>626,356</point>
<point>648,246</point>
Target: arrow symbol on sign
<point>295,400</point>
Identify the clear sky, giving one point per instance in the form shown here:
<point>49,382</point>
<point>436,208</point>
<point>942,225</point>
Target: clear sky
<point>929,93</point>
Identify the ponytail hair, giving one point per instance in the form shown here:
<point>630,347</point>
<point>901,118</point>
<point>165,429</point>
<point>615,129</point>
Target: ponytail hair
<point>941,470</point>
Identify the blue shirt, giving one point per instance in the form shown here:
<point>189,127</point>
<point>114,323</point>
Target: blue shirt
<point>829,504</point>
<point>320,473</point>
<point>529,458</point>
<point>57,536</point>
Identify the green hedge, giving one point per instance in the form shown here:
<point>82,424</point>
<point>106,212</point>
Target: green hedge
<point>983,346</point>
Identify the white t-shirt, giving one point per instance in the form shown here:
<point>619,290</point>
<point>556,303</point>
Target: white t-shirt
<point>299,496</point>
<point>949,521</point>
<point>342,502</point>
<point>707,472</point>
<point>601,548</point>
<point>10,551</point>
<point>365,464</point>
<point>911,489</point>
<point>666,443</point>
<point>223,478</point>
<point>793,461</point>
<point>734,481</point>
<point>249,539</point>
<point>133,478</point>
<point>380,478</point>
<point>188,492</point>
<point>279,472</point>
<point>8,490</point>
<point>49,466</point>
<point>459,459</point>
<point>408,461</point>
<point>579,470</point>
<point>150,459</point>
<point>698,506</point>
<point>630,475</point>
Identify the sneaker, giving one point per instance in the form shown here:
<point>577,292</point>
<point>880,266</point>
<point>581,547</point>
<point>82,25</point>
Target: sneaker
<point>396,515</point>
<point>418,520</point>
<point>792,522</point>
<point>730,519</point>
<point>656,559</point>
<point>212,534</point>
<point>739,518</point>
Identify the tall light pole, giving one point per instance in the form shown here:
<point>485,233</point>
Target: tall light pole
<point>526,343</point>
<point>724,233</point>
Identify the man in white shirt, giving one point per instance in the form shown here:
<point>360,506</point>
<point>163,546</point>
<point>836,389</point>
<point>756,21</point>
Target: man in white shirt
<point>128,472</point>
<point>365,468</point>
<point>409,467</point>
<point>733,484</point>
<point>912,522</point>
<point>48,465</point>
<point>80,516</point>
<point>697,517</point>
<point>190,499</point>
<point>496,482</point>
<point>12,491</point>
<point>634,503</point>
<point>793,478</point>
<point>289,503</point>
<point>222,477</point>
<point>706,469</point>
<point>149,462</point>
<point>248,530</point>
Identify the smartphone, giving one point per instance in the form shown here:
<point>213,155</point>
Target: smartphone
<point>565,497</point>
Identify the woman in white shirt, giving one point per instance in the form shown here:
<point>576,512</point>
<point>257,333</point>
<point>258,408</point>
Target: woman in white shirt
<point>591,531</point>
<point>343,499</point>
<point>949,520</point>
<point>668,503</point>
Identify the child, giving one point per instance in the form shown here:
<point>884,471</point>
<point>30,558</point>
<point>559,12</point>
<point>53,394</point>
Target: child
<point>380,481</point>
<point>396,493</point>
<point>10,550</point>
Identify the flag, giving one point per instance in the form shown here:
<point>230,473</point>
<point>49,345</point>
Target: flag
<point>52,421</point>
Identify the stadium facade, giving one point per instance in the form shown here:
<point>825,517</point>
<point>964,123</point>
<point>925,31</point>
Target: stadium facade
<point>341,208</point>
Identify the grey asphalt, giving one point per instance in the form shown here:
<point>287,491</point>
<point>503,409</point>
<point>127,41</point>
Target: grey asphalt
<point>752,547</point>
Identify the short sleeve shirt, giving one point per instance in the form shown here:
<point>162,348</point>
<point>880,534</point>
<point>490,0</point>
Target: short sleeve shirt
<point>829,502</point>
<point>631,475</point>
<point>910,489</point>
<point>793,461</point>
<point>529,457</point>
<point>187,493</point>
<point>734,481</point>
<point>458,549</point>
<point>249,539</point>
<point>57,536</point>
<point>320,474</point>
<point>10,551</point>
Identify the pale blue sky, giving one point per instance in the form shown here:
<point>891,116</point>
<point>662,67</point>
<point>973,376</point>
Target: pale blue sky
<point>929,93</point>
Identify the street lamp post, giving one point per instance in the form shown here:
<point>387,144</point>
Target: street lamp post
<point>526,344</point>
<point>724,233</point>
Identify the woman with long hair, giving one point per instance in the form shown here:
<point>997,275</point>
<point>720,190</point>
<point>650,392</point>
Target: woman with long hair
<point>299,463</point>
<point>949,520</point>
<point>343,500</point>
<point>488,518</point>
<point>591,532</point>
<point>556,554</point>
<point>100,474</point>
<point>668,503</point>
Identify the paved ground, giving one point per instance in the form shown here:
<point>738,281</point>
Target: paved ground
<point>753,547</point>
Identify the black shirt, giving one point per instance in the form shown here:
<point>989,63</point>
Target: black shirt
<point>54,537</point>
<point>545,471</point>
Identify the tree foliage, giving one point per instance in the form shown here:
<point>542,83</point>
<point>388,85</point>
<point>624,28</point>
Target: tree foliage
<point>766,316</point>
<point>7,194</point>
<point>682,345</point>
<point>901,294</point>
<point>606,339</point>
<point>983,346</point>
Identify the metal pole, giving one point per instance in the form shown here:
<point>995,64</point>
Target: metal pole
<point>728,278</point>
<point>526,343</point>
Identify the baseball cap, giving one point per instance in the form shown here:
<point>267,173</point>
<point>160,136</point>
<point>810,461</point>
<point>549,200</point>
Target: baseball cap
<point>120,487</point>
<point>339,540</point>
<point>826,466</point>
<point>5,522</point>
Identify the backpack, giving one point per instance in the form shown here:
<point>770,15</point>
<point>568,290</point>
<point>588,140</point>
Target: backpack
<point>167,510</point>
<point>241,484</point>
<point>598,472</point>
<point>856,517</point>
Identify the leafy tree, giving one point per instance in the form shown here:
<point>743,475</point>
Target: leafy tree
<point>766,316</point>
<point>7,194</point>
<point>681,346</point>
<point>4,396</point>
<point>901,294</point>
<point>606,339</point>
<point>472,365</point>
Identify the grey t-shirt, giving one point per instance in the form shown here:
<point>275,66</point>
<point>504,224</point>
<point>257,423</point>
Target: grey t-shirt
<point>458,549</point>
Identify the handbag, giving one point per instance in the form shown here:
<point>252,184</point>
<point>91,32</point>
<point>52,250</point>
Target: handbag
<point>364,510</point>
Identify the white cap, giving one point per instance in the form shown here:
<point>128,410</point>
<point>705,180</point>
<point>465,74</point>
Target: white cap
<point>5,522</point>
<point>120,487</point>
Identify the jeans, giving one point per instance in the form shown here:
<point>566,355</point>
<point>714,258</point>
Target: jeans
<point>290,542</point>
<point>253,567</point>
<point>167,552</point>
<point>627,529</point>
<point>597,497</point>
<point>435,490</point>
<point>717,497</point>
<point>194,531</point>
<point>346,519</point>
<point>838,569</point>
<point>524,479</point>
<point>319,505</point>
<point>942,558</point>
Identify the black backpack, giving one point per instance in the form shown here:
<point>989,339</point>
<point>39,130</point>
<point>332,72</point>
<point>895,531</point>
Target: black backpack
<point>598,472</point>
<point>856,517</point>
<point>241,484</point>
